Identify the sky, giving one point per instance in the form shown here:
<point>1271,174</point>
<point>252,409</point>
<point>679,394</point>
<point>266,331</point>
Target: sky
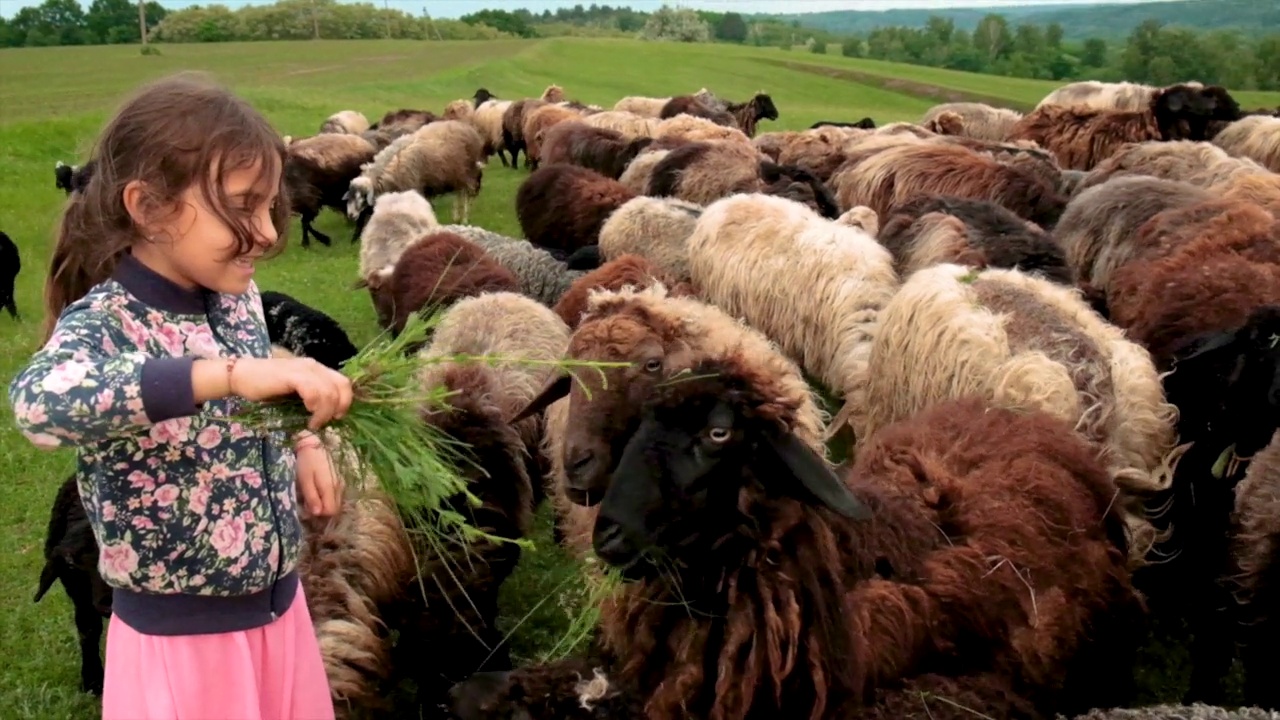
<point>454,8</point>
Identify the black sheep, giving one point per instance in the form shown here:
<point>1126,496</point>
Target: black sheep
<point>865,123</point>
<point>305,331</point>
<point>71,556</point>
<point>71,177</point>
<point>10,266</point>
<point>796,183</point>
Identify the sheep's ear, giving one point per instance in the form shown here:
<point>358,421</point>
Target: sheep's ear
<point>60,164</point>
<point>554,390</point>
<point>821,483</point>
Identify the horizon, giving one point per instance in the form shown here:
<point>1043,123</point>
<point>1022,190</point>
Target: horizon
<point>453,9</point>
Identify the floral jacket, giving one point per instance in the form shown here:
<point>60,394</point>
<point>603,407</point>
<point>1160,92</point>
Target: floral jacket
<point>194,515</point>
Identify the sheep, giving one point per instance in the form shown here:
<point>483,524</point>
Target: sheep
<point>978,120</point>
<point>435,272</point>
<point>691,106</point>
<point>629,125</point>
<point>820,151</point>
<point>542,276</point>
<point>798,185</point>
<point>933,230</point>
<point>537,122</point>
<point>357,570</point>
<point>1081,138</point>
<point>865,123</point>
<point>1256,137</point>
<point>1022,342</point>
<point>10,266</point>
<point>691,128</point>
<point>1202,296</point>
<point>650,107</point>
<point>1255,529</point>
<point>1202,164</point>
<point>488,120</point>
<point>777,527</point>
<point>306,331</point>
<point>443,157</point>
<point>837,281</point>
<point>352,122</point>
<point>398,219</point>
<point>1023,155</point>
<point>1196,711</point>
<point>897,174</point>
<point>623,271</point>
<point>318,172</point>
<point>71,557</point>
<point>461,109</point>
<point>71,177</point>
<point>405,120</point>
<point>513,138</point>
<point>654,331</point>
<point>655,229</point>
<point>1098,226</point>
<point>562,207</point>
<point>640,170</point>
<point>1124,96</point>
<point>605,151</point>
<point>703,172</point>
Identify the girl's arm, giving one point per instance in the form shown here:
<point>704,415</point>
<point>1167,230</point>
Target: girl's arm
<point>77,388</point>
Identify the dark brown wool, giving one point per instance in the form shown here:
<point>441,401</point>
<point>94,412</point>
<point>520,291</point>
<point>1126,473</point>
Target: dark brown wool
<point>513,126</point>
<point>562,207</point>
<point>600,149</point>
<point>441,269</point>
<point>624,270</point>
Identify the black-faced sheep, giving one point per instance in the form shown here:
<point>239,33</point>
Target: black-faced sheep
<point>10,266</point>
<point>443,157</point>
<point>981,234</point>
<point>562,207</point>
<point>892,175</point>
<point>435,272</point>
<point>71,557</point>
<point>605,151</point>
<point>305,331</point>
<point>917,562</point>
<point>318,172</point>
<point>1081,137</point>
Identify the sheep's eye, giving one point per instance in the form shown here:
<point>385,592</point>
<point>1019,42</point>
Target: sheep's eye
<point>653,365</point>
<point>719,434</point>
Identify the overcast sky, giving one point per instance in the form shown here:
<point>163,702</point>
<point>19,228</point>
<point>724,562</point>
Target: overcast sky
<point>454,8</point>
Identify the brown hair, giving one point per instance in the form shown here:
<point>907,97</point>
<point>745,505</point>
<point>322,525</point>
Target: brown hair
<point>171,134</point>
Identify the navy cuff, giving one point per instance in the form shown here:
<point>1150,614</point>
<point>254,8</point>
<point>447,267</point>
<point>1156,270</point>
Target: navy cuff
<point>167,390</point>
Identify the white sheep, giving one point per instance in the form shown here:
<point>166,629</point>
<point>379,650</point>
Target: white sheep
<point>442,157</point>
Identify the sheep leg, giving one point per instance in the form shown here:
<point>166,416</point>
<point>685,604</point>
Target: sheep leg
<point>89,629</point>
<point>11,306</point>
<point>307,227</point>
<point>502,156</point>
<point>361,221</point>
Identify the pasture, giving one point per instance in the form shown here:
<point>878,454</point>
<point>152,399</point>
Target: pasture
<point>56,99</point>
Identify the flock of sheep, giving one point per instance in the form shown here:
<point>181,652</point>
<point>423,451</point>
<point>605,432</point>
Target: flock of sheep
<point>1042,337</point>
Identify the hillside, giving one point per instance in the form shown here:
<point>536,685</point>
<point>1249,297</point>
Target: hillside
<point>1100,20</point>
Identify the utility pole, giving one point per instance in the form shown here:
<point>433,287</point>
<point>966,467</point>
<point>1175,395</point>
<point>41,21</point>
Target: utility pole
<point>315,20</point>
<point>387,13</point>
<point>142,21</point>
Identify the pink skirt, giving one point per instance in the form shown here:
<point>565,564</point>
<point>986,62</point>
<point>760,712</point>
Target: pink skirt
<point>269,673</point>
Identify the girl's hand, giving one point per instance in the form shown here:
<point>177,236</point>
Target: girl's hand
<point>326,393</point>
<point>319,487</point>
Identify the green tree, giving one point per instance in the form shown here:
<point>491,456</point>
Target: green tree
<point>851,47</point>
<point>1267,63</point>
<point>731,28</point>
<point>992,38</point>
<point>501,20</point>
<point>1095,53</point>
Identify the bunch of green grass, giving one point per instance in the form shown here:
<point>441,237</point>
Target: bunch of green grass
<point>415,464</point>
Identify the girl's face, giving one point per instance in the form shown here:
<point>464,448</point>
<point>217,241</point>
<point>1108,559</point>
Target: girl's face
<point>196,248</point>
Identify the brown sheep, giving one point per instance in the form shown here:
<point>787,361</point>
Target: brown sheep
<point>703,172</point>
<point>915,561</point>
<point>1255,539</point>
<point>317,174</point>
<point>897,174</point>
<point>404,121</point>
<point>537,121</point>
<point>438,270</point>
<point>1081,137</point>
<point>605,151</point>
<point>623,271</point>
<point>932,230</point>
<point>562,207</point>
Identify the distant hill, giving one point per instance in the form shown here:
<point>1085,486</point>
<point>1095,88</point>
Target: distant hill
<point>1078,21</point>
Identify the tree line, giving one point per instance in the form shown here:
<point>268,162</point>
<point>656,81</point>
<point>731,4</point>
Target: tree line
<point>1152,53</point>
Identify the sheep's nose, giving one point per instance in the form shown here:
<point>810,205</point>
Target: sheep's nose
<point>611,545</point>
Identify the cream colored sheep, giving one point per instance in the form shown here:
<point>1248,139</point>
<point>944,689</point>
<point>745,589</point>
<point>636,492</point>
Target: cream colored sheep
<point>656,229</point>
<point>629,125</point>
<point>1256,137</point>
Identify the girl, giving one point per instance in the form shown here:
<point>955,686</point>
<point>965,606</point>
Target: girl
<point>155,327</point>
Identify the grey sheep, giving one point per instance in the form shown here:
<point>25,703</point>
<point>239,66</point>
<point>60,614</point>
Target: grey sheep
<point>542,277</point>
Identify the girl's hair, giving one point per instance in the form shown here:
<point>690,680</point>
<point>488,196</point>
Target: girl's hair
<point>174,133</point>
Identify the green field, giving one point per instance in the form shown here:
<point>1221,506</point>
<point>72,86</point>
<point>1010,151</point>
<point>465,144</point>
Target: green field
<point>48,116</point>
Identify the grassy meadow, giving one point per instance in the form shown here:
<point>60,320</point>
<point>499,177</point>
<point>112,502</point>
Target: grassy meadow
<point>55,100</point>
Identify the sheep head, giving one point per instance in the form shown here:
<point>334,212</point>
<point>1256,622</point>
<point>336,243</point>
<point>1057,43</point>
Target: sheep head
<point>359,197</point>
<point>482,96</point>
<point>764,107</point>
<point>704,438</point>
<point>1183,112</point>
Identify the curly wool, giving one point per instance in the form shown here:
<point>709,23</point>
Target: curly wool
<point>694,129</point>
<point>703,172</point>
<point>542,277</point>
<point>562,207</point>
<point>443,157</point>
<point>352,122</point>
<point>640,170</point>
<point>624,271</point>
<point>978,120</point>
<point>1023,342</point>
<point>605,151</point>
<point>538,122</point>
<point>437,271</point>
<point>399,219</point>
<point>1256,137</point>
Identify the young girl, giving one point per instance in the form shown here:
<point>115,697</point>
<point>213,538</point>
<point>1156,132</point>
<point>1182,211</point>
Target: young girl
<point>155,328</point>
